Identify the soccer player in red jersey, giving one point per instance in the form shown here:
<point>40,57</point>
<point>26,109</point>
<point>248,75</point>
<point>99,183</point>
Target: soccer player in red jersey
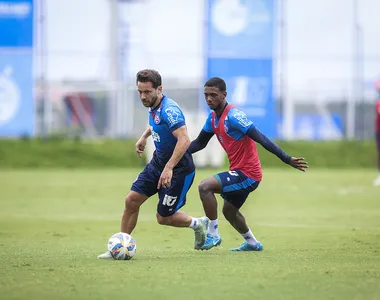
<point>377,132</point>
<point>237,135</point>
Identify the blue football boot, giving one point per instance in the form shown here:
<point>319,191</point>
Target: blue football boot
<point>211,241</point>
<point>247,247</point>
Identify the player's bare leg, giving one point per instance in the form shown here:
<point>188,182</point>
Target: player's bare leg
<point>182,219</point>
<point>207,189</point>
<point>179,219</point>
<point>237,220</point>
<point>133,201</point>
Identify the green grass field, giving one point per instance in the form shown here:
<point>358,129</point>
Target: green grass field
<point>320,230</point>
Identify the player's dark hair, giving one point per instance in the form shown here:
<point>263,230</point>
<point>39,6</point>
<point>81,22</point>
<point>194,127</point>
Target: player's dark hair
<point>149,75</point>
<point>217,82</point>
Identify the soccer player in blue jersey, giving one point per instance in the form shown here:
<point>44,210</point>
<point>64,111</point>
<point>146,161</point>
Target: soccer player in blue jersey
<point>171,171</point>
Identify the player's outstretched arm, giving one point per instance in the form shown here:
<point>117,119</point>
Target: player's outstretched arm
<point>201,141</point>
<point>296,162</point>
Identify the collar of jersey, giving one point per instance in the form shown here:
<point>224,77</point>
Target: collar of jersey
<point>159,105</point>
<point>216,117</point>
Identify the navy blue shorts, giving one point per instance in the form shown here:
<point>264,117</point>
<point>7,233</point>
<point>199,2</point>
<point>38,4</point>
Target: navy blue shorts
<point>378,141</point>
<point>170,199</point>
<point>236,186</point>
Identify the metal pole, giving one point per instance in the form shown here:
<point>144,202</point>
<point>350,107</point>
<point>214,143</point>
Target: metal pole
<point>351,105</point>
<point>125,124</point>
<point>288,107</point>
<point>125,99</point>
<point>360,69</point>
<point>47,107</point>
<point>114,46</point>
<point>114,68</point>
<point>206,23</point>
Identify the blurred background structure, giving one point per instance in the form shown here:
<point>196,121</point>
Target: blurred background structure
<point>303,69</point>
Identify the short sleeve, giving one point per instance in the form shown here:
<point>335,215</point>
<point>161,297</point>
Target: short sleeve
<point>174,117</point>
<point>239,121</point>
<point>208,124</point>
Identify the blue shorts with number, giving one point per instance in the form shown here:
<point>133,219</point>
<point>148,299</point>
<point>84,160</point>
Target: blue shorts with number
<point>171,199</point>
<point>236,186</point>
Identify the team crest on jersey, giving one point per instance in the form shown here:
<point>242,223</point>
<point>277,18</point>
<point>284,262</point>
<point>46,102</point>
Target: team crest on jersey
<point>157,119</point>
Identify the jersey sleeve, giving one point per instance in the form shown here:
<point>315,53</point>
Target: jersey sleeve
<point>208,124</point>
<point>174,117</point>
<point>239,121</point>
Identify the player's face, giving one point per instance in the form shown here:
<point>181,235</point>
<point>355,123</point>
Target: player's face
<point>149,96</point>
<point>214,97</point>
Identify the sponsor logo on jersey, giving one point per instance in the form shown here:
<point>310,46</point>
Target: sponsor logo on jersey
<point>155,135</point>
<point>242,119</point>
<point>172,116</point>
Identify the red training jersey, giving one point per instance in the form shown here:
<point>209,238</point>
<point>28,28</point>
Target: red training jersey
<point>242,154</point>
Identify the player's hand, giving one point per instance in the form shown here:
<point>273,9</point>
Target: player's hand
<point>165,178</point>
<point>140,146</point>
<point>298,163</point>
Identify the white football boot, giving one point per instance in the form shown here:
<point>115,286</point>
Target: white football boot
<point>201,232</point>
<point>105,255</point>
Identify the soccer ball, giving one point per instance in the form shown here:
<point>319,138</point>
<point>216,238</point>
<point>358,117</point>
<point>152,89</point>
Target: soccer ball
<point>122,246</point>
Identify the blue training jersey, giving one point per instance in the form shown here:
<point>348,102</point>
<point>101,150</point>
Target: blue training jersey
<point>236,124</point>
<point>163,120</point>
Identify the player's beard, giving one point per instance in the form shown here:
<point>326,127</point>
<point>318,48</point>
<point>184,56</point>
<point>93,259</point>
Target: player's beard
<point>154,101</point>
